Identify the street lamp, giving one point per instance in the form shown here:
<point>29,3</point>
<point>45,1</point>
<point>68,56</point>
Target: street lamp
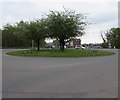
<point>32,44</point>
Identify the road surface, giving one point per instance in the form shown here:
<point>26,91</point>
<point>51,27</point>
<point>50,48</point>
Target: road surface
<point>44,77</point>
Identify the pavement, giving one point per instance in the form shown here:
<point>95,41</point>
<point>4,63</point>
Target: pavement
<point>45,77</point>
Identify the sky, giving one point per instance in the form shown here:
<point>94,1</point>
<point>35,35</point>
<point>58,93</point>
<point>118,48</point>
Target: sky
<point>102,14</point>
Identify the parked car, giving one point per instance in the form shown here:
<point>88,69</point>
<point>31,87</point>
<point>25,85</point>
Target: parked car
<point>65,46</point>
<point>99,47</point>
<point>79,47</point>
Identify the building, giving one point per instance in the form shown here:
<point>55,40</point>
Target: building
<point>74,42</point>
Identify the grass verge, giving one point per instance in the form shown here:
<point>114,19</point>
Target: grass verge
<point>58,53</point>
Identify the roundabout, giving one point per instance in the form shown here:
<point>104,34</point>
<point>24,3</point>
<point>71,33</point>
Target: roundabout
<point>51,77</point>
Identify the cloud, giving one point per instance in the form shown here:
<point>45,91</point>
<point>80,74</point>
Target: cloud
<point>96,12</point>
<point>33,10</point>
<point>84,7</point>
<point>8,20</point>
<point>103,13</point>
<point>93,32</point>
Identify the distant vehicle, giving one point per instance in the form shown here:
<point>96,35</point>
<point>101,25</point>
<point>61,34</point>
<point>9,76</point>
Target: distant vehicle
<point>58,47</point>
<point>79,47</point>
<point>65,46</point>
<point>99,47</point>
<point>53,46</point>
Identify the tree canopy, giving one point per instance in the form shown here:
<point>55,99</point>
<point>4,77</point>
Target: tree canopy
<point>36,30</point>
<point>12,36</point>
<point>112,36</point>
<point>61,26</point>
<point>65,25</point>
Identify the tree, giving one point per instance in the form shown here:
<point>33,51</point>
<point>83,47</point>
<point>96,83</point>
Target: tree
<point>105,43</point>
<point>103,38</point>
<point>13,36</point>
<point>64,25</point>
<point>9,39</point>
<point>21,27</point>
<point>36,30</point>
<point>113,36</point>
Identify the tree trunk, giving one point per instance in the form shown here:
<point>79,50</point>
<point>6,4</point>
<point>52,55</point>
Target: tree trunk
<point>62,43</point>
<point>38,44</point>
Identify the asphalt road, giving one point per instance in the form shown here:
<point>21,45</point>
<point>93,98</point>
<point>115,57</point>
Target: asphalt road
<point>37,77</point>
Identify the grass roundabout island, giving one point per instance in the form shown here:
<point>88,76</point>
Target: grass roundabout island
<point>58,53</point>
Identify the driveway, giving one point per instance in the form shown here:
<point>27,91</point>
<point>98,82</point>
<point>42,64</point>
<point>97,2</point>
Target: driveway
<point>42,77</point>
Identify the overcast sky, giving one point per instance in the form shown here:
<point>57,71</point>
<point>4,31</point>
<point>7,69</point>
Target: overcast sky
<point>102,14</point>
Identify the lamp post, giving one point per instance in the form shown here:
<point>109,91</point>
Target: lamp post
<point>109,45</point>
<point>32,44</point>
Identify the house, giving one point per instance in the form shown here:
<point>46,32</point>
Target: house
<point>74,42</point>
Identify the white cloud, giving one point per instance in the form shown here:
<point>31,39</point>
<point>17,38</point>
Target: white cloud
<point>101,12</point>
<point>9,20</point>
<point>93,32</point>
<point>86,7</point>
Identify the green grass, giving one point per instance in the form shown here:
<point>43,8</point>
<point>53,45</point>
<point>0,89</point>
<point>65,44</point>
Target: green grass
<point>58,53</point>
